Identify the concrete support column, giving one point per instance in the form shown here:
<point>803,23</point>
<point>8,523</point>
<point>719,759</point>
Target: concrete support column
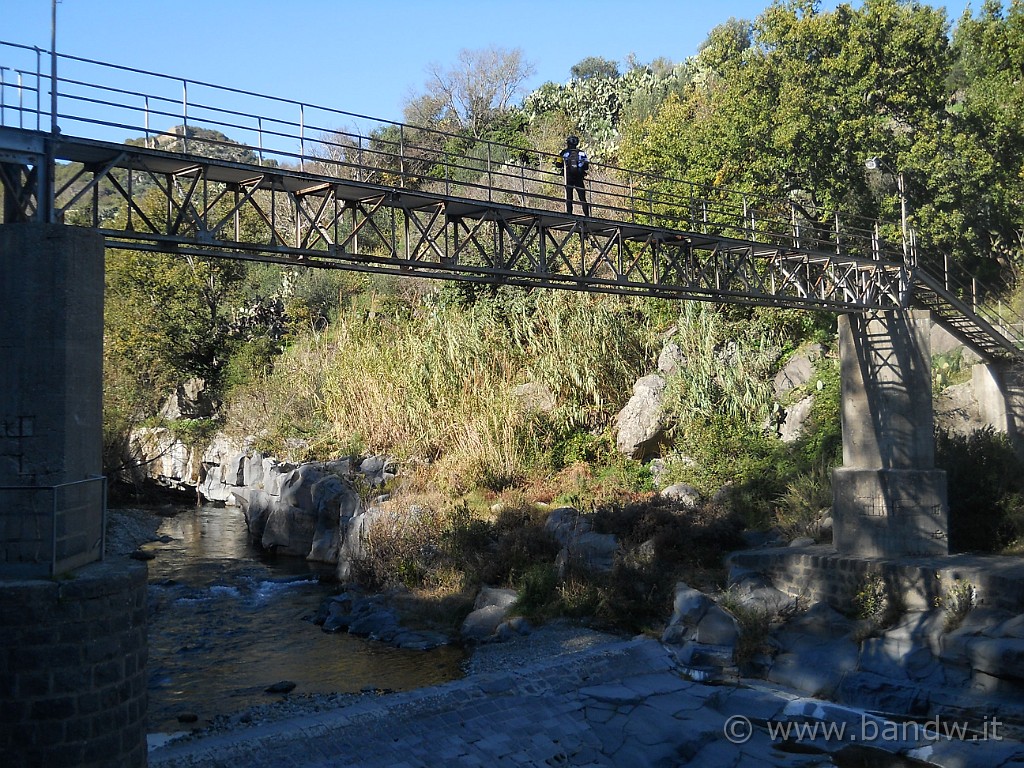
<point>888,498</point>
<point>73,638</point>
<point>51,397</point>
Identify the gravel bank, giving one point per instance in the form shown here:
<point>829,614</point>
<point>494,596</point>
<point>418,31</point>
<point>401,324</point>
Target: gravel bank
<point>128,529</point>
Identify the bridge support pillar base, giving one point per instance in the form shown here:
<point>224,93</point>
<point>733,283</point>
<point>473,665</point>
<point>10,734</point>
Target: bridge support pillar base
<point>889,512</point>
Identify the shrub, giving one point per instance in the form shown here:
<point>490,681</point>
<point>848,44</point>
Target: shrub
<point>957,601</point>
<point>985,481</point>
<point>680,543</point>
<point>537,591</point>
<point>755,624</point>
<point>799,508</point>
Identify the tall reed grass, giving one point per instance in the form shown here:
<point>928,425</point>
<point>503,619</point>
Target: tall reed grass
<point>437,383</point>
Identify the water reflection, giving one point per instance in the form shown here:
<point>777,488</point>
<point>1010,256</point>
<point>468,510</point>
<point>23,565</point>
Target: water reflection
<point>225,623</point>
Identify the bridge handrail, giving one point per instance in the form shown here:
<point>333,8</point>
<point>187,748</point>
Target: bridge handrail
<point>983,299</point>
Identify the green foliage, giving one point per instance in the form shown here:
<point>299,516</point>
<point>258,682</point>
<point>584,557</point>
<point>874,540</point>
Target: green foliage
<point>877,604</point>
<point>594,66</point>
<point>194,432</point>
<point>800,507</point>
<point>820,445</point>
<point>538,592</point>
<point>872,599</point>
<point>455,362</point>
<point>957,600</point>
<point>792,106</point>
<point>670,544</point>
<point>948,369</point>
<point>755,624</point>
<point>985,481</point>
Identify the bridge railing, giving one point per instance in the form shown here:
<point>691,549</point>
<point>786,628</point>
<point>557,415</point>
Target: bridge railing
<point>115,103</point>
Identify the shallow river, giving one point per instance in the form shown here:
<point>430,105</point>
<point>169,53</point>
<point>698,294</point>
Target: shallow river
<point>225,623</point>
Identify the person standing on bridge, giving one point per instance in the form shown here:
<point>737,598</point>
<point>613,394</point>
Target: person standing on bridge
<point>573,162</point>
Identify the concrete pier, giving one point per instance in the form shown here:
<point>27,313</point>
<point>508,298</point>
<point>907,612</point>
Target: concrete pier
<point>73,647</point>
<point>889,500</point>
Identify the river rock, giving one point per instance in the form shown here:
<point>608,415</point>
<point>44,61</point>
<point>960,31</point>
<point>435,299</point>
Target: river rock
<point>566,523</point>
<point>256,505</point>
<point>593,551</point>
<point>798,370</point>
<point>297,486</point>
<point>289,530</point>
<point>336,503</point>
<point>671,358</point>
<point>352,541</point>
<point>482,624</point>
<point>252,470</point>
<point>683,494</point>
<point>641,422</point>
<point>717,627</point>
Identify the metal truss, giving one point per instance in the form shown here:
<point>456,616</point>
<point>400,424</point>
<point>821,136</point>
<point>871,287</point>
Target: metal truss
<point>202,206</point>
<point>186,205</point>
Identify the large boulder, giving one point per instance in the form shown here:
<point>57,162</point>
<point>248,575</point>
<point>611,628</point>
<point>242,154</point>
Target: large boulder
<point>297,486</point>
<point>792,419</point>
<point>490,612</point>
<point>566,524</point>
<point>535,397</point>
<point>189,400</point>
<point>683,494</point>
<point>671,358</point>
<point>688,607</point>
<point>256,506</point>
<point>336,504</point>
<point>641,423</point>
<point>798,370</point>
<point>581,546</point>
<point>289,530</point>
<point>352,546</point>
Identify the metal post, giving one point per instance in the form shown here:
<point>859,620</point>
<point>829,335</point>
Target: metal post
<point>401,154</point>
<point>259,136</point>
<point>46,186</point>
<point>184,116</point>
<point>903,215</point>
<point>302,137</point>
<point>53,69</point>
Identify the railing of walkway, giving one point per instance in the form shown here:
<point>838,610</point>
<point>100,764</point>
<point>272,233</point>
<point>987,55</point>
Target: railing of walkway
<point>116,103</point>
<point>49,530</point>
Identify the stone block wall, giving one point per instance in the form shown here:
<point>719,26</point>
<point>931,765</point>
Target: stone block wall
<point>820,574</point>
<point>73,686</point>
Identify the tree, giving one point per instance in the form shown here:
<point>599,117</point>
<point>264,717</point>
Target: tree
<point>594,66</point>
<point>480,87</point>
<point>988,110</point>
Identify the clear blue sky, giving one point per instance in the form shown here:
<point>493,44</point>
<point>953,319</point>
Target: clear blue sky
<point>367,56</point>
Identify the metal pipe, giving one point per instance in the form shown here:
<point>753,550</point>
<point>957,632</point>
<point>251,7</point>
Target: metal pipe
<point>53,69</point>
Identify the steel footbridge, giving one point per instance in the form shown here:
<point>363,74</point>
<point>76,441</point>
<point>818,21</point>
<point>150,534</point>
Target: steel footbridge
<point>156,163</point>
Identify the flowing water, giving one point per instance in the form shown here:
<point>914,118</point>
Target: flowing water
<point>226,622</point>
